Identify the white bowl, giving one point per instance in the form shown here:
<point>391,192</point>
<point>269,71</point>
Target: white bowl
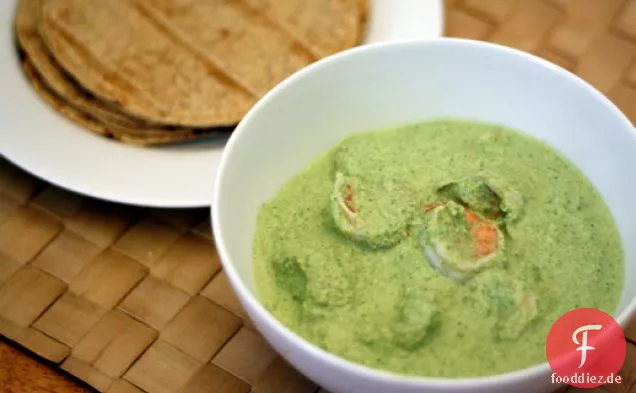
<point>386,84</point>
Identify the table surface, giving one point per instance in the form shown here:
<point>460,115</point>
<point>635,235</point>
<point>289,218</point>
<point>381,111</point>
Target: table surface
<point>594,38</point>
<point>22,373</point>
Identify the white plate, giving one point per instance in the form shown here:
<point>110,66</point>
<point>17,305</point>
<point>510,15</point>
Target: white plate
<point>42,142</point>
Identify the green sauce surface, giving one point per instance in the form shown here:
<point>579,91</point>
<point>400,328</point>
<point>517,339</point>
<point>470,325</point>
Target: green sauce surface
<point>339,252</point>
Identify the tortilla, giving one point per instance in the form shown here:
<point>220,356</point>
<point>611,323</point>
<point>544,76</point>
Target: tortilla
<point>54,79</point>
<point>323,26</point>
<point>192,63</point>
<point>27,19</point>
<point>126,135</point>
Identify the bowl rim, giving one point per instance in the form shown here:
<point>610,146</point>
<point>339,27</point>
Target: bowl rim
<point>305,345</point>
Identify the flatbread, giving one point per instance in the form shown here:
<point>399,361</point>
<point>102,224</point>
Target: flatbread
<point>55,79</point>
<point>27,18</point>
<point>193,63</point>
<point>324,27</point>
<point>129,136</point>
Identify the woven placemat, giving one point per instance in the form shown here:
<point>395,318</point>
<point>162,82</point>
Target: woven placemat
<point>135,300</point>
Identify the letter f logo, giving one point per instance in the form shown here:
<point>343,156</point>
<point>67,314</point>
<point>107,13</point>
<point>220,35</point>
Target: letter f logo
<point>570,341</point>
<point>583,345</point>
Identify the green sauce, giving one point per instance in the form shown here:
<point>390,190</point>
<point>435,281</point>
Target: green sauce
<point>339,252</point>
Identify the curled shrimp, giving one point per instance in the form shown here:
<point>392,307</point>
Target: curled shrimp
<point>458,242</point>
<point>487,194</point>
<point>372,213</point>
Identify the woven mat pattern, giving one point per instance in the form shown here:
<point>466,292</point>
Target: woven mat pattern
<point>135,300</point>
<point>127,300</point>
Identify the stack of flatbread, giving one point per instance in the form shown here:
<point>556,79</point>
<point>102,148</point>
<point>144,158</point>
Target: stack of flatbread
<point>150,72</point>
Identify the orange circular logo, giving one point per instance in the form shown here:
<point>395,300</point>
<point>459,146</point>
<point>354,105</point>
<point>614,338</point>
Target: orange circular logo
<point>586,348</point>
